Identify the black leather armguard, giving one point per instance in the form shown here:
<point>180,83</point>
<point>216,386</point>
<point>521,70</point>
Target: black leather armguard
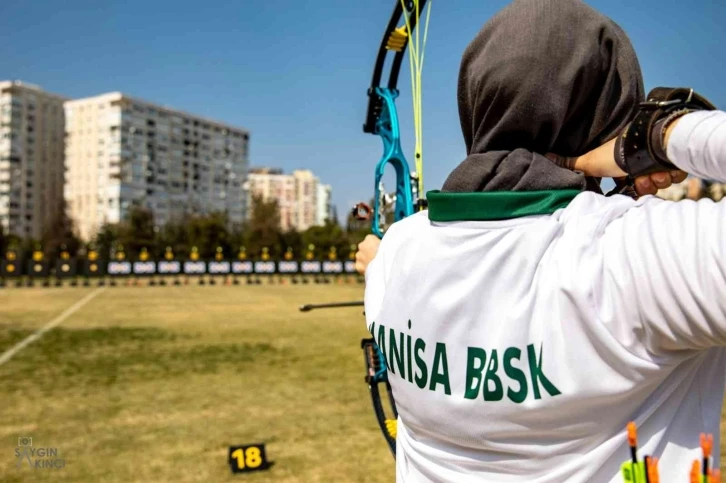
<point>639,149</point>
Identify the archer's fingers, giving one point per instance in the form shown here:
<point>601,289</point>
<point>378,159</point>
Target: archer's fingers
<point>368,241</point>
<point>678,176</point>
<point>361,262</point>
<point>644,186</point>
<point>661,180</point>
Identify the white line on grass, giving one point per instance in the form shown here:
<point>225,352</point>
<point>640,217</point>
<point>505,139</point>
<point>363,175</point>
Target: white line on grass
<point>8,354</point>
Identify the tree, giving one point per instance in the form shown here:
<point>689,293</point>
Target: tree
<point>263,227</point>
<point>60,234</point>
<point>292,239</point>
<point>173,234</point>
<point>106,240</point>
<point>206,232</point>
<point>334,213</point>
<point>27,246</point>
<point>137,231</point>
<point>326,237</point>
<point>209,232</point>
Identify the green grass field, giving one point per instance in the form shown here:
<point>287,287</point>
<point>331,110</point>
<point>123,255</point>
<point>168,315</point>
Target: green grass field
<point>153,384</point>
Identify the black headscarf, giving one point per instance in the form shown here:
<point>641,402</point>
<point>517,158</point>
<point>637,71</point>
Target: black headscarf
<point>542,76</point>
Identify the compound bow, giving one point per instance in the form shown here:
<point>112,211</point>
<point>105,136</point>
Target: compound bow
<point>382,120</point>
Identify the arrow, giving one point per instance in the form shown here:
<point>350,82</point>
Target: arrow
<point>309,307</point>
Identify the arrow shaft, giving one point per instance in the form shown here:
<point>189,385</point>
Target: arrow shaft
<point>309,307</point>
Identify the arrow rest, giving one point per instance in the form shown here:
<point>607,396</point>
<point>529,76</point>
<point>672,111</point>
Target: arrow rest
<point>363,212</point>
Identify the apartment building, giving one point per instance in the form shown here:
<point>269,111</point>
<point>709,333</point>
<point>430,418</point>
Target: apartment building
<point>272,183</point>
<point>31,159</point>
<point>306,198</point>
<point>122,152</point>
<point>299,196</point>
<point>323,212</point>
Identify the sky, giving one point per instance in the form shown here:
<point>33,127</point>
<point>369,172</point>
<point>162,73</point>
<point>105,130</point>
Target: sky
<point>295,74</point>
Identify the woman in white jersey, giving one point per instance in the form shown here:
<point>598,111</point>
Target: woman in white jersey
<point>525,318</point>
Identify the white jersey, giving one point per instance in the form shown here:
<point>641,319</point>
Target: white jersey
<point>521,339</point>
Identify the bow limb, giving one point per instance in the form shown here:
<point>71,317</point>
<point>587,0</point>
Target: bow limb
<point>382,120</point>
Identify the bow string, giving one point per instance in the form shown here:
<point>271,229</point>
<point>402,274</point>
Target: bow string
<point>382,120</point>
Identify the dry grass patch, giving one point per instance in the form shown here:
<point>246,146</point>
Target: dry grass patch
<point>154,383</point>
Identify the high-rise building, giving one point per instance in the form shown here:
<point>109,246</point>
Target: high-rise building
<point>299,196</point>
<point>270,183</point>
<point>306,198</point>
<point>323,209</point>
<point>122,152</point>
<point>31,159</point>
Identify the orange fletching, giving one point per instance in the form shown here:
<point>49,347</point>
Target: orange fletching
<point>653,476</point>
<point>632,434</point>
<point>695,472</point>
<point>706,444</point>
<point>716,476</point>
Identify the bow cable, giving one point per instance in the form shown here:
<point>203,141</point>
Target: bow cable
<point>416,61</point>
<point>382,120</point>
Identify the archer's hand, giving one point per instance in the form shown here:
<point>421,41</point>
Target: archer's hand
<point>600,163</point>
<point>367,250</point>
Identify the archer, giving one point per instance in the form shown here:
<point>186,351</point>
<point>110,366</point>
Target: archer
<point>548,314</point>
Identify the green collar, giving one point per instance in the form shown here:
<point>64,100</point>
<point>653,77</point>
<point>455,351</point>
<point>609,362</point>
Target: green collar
<point>496,205</point>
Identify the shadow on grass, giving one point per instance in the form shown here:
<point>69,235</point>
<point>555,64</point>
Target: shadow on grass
<point>65,358</point>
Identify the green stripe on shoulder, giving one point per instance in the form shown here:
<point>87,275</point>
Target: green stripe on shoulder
<point>496,205</point>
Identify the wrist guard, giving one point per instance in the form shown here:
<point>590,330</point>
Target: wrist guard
<point>639,149</point>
